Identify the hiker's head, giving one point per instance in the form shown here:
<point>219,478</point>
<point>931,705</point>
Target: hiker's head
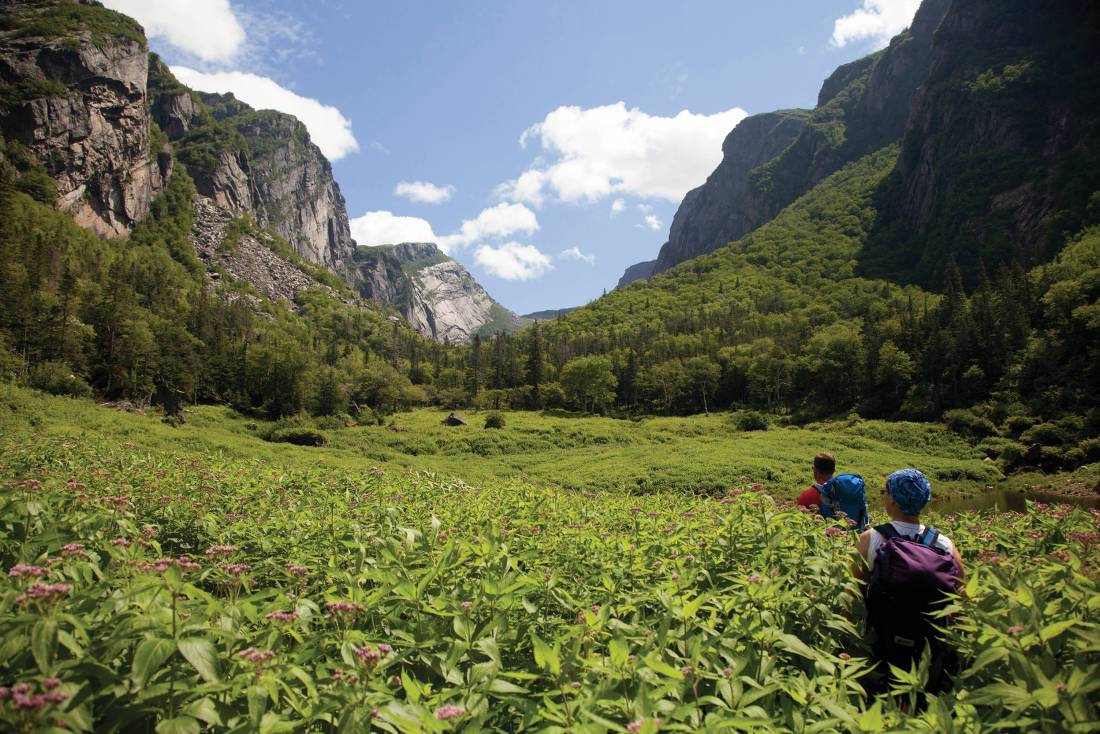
<point>909,489</point>
<point>824,467</point>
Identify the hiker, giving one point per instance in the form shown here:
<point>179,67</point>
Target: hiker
<point>910,568</point>
<point>839,496</point>
<point>824,467</point>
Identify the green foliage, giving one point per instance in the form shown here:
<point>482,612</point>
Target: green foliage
<point>58,379</point>
<point>495,419</point>
<point>589,382</point>
<point>750,420</point>
<point>966,423</point>
<point>255,600</point>
<point>57,18</point>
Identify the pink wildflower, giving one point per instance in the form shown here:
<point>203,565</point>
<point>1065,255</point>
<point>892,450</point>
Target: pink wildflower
<point>1014,629</point>
<point>282,616</point>
<point>39,590</point>
<point>467,605</point>
<point>296,570</point>
<point>51,683</point>
<point>449,711</point>
<point>253,655</point>
<point>24,569</point>
<point>221,550</point>
<point>121,543</point>
<point>834,530</point>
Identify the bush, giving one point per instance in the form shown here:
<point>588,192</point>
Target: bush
<point>750,420</point>
<point>494,420</point>
<point>298,436</point>
<point>966,423</point>
<point>335,422</point>
<point>1090,449</point>
<point>1045,434</point>
<point>1014,425</point>
<point>57,378</point>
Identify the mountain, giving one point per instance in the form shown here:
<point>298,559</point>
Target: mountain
<point>73,92</point>
<point>638,271</point>
<point>257,162</point>
<point>549,314</point>
<point>771,159</point>
<point>434,293</point>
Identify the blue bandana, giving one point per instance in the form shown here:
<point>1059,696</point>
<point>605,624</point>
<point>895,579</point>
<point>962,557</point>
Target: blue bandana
<point>910,489</point>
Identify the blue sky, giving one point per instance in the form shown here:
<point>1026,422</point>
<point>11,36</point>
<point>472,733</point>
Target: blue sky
<point>545,145</point>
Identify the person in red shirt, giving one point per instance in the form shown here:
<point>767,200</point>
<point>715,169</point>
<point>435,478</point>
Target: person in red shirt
<point>824,468</point>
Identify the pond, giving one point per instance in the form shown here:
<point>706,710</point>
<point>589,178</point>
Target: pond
<point>1010,500</point>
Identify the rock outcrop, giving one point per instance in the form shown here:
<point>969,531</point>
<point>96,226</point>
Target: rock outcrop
<point>637,271</point>
<point>78,100</point>
<point>258,162</point>
<point>436,295</point>
<point>771,159</point>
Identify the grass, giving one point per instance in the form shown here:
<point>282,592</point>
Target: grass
<point>683,454</point>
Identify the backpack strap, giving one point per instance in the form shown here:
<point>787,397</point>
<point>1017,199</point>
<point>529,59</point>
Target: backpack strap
<point>887,531</point>
<point>929,536</point>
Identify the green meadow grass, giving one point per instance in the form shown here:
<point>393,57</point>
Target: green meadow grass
<point>703,453</point>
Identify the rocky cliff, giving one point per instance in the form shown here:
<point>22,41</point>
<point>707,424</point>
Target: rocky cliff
<point>436,294</point>
<point>1001,152</point>
<point>771,159</point>
<point>637,271</point>
<point>73,90</point>
<point>258,162</point>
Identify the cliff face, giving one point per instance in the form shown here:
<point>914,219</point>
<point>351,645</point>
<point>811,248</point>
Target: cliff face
<point>258,162</point>
<point>77,99</point>
<point>769,160</point>
<point>637,271</point>
<point>999,157</point>
<point>436,295</point>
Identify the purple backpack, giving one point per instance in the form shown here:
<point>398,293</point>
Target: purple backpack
<point>911,577</point>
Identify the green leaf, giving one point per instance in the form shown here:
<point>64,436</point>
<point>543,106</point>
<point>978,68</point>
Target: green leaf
<point>200,652</point>
<point>619,652</point>
<point>205,710</point>
<point>150,655</point>
<point>790,643</point>
<point>179,725</point>
<point>546,657</point>
<point>1054,629</point>
<point>44,643</point>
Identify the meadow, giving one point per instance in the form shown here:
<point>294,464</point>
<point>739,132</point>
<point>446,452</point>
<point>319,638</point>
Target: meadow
<point>198,578</point>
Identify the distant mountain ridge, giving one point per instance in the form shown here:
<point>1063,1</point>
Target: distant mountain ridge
<point>435,293</point>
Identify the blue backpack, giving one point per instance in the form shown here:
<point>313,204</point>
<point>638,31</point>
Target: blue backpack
<point>844,493</point>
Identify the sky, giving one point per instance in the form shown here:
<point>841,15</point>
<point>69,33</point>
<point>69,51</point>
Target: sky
<point>544,145</point>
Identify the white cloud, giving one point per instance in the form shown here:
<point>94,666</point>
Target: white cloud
<point>328,128</point>
<point>645,208</point>
<point>617,207</point>
<point>206,28</point>
<point>501,220</point>
<point>386,228</point>
<point>424,192</point>
<point>653,222</point>
<point>604,151</point>
<point>574,253</point>
<point>876,20</point>
<point>513,261</point>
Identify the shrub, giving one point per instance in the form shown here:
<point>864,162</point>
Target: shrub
<point>1090,448</point>
<point>750,420</point>
<point>494,420</point>
<point>1045,434</point>
<point>298,436</point>
<point>966,423</point>
<point>1014,425</point>
<point>57,378</point>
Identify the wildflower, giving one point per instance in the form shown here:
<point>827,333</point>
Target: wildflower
<point>834,530</point>
<point>396,680</point>
<point>51,683</point>
<point>637,725</point>
<point>296,570</point>
<point>221,550</point>
<point>744,479</point>
<point>282,616</point>
<point>467,605</point>
<point>845,656</point>
<point>121,543</point>
<point>449,711</point>
<point>367,654</point>
<point>39,590</point>
<point>253,655</point>
<point>75,485</point>
<point>727,672</point>
<point>238,569</point>
<point>384,648</point>
<point>589,494</point>
<point>23,569</point>
<point>687,670</point>
<point>185,563</point>
<point>753,578</point>
<point>1015,629</point>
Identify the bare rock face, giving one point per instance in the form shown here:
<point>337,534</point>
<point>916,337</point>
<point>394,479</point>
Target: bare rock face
<point>436,295</point>
<point>293,190</point>
<point>638,271</point>
<point>246,259</point>
<point>78,102</point>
